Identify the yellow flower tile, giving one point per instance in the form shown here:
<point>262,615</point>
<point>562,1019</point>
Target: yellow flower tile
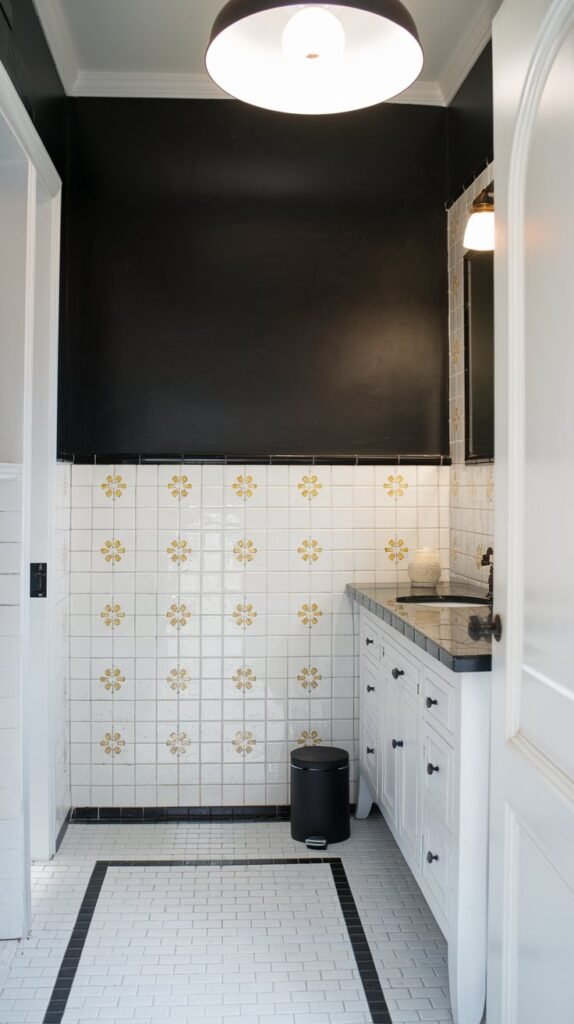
<point>310,550</point>
<point>309,678</point>
<point>244,679</point>
<point>244,615</point>
<point>112,615</point>
<point>179,486</point>
<point>309,614</point>
<point>178,551</point>
<point>113,743</point>
<point>113,551</point>
<point>245,551</point>
<point>396,549</point>
<point>244,486</point>
<point>395,485</point>
<point>178,615</point>
<point>178,679</point>
<point>244,742</point>
<point>113,486</point>
<point>112,679</point>
<point>178,743</point>
<point>309,738</point>
<point>309,485</point>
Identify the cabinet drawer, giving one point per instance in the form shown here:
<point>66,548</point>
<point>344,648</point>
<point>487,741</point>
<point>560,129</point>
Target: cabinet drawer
<point>372,645</point>
<point>439,702</point>
<point>438,774</point>
<point>370,752</point>
<point>406,671</point>
<point>436,858</point>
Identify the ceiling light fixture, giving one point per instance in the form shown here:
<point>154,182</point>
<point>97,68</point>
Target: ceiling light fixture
<point>314,58</point>
<point>479,234</point>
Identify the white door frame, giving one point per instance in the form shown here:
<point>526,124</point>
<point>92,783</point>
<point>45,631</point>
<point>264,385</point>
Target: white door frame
<point>37,469</point>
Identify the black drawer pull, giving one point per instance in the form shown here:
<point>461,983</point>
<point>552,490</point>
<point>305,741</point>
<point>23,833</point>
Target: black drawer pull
<point>432,768</point>
<point>370,689</point>
<point>430,702</point>
<point>397,743</point>
<point>370,750</point>
<point>368,641</point>
<point>397,672</point>
<point>431,857</point>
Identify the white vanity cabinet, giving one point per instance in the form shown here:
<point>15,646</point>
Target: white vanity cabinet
<point>424,760</point>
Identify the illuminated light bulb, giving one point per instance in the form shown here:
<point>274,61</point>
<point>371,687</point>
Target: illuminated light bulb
<point>479,234</point>
<point>313,35</point>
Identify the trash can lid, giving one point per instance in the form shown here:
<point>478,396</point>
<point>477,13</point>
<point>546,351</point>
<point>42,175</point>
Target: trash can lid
<point>320,758</point>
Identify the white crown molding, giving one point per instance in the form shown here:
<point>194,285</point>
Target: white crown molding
<point>125,84</point>
<point>150,85</point>
<point>424,94</point>
<point>468,50</point>
<point>59,40</point>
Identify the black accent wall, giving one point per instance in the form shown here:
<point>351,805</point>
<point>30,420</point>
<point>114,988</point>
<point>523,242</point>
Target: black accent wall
<point>470,125</point>
<point>246,283</point>
<point>27,59</point>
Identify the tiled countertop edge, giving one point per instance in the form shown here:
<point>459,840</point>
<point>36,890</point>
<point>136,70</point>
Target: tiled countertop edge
<point>463,663</point>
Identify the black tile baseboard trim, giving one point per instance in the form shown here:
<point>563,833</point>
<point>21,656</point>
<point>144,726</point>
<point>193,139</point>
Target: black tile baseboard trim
<point>118,458</point>
<point>364,959</point>
<point>161,815</point>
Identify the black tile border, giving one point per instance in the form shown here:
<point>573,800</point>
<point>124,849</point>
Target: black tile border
<point>192,815</point>
<point>362,952</point>
<point>177,459</point>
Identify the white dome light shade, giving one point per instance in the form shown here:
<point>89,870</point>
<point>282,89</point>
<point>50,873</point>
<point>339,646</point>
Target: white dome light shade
<point>314,58</point>
<point>480,230</point>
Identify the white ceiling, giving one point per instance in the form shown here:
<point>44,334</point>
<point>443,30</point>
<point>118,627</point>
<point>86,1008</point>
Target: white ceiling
<point>156,47</point>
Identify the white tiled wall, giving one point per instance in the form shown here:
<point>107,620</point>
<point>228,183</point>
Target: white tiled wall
<point>210,631</point>
<point>472,490</point>
<point>11,779</point>
<point>60,582</point>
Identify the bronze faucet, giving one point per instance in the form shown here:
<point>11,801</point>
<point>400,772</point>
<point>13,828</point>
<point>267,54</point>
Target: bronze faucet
<point>488,559</point>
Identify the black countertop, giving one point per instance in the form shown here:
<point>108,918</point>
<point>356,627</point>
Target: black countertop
<point>441,632</point>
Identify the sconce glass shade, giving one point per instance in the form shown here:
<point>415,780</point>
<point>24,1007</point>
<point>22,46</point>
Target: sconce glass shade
<point>314,58</point>
<point>480,230</point>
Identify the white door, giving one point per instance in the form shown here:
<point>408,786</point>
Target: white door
<point>531,906</point>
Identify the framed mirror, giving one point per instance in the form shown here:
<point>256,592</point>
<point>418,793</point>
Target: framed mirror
<point>479,356</point>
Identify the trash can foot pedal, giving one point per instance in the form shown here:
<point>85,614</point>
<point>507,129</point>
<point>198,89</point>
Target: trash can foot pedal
<point>316,843</point>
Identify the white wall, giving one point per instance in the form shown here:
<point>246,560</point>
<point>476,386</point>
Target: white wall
<point>160,713</point>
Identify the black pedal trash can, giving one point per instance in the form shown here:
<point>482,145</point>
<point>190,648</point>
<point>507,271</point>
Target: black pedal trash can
<point>320,794</point>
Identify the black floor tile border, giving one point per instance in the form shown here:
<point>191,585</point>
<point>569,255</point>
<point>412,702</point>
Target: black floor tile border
<point>364,959</point>
<point>63,830</point>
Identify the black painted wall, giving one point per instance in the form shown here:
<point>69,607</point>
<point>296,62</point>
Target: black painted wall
<point>470,125</point>
<point>246,283</point>
<point>27,59</point>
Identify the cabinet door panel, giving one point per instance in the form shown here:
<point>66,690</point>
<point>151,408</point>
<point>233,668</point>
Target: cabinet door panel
<point>409,775</point>
<point>388,787</point>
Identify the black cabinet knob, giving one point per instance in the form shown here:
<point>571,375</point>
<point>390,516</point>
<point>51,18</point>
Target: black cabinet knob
<point>397,743</point>
<point>432,768</point>
<point>397,672</point>
<point>370,689</point>
<point>370,750</point>
<point>484,629</point>
<point>368,641</point>
<point>431,857</point>
<point>430,702</point>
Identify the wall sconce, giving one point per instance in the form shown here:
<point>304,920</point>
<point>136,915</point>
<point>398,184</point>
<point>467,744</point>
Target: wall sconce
<point>479,234</point>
